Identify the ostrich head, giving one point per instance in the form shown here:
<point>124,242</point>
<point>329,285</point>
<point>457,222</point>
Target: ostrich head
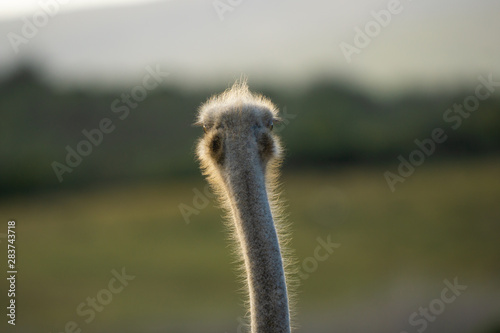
<point>238,136</point>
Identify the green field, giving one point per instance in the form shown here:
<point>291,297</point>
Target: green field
<point>443,222</point>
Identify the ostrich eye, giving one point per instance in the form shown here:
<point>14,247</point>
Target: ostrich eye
<point>271,126</point>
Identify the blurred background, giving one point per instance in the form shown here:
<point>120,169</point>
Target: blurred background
<point>97,167</point>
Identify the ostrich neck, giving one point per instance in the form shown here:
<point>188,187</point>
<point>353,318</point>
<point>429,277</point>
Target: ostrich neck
<point>261,251</point>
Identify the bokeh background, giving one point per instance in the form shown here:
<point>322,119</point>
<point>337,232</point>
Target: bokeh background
<point>137,202</point>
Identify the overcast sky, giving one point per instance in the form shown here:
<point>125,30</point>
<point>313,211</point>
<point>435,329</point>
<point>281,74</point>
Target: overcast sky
<point>426,44</point>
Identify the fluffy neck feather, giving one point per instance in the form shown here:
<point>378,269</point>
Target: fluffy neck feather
<point>260,248</point>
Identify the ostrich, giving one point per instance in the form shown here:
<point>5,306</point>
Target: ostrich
<point>240,157</point>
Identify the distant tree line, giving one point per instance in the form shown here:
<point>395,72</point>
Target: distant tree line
<point>51,139</point>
